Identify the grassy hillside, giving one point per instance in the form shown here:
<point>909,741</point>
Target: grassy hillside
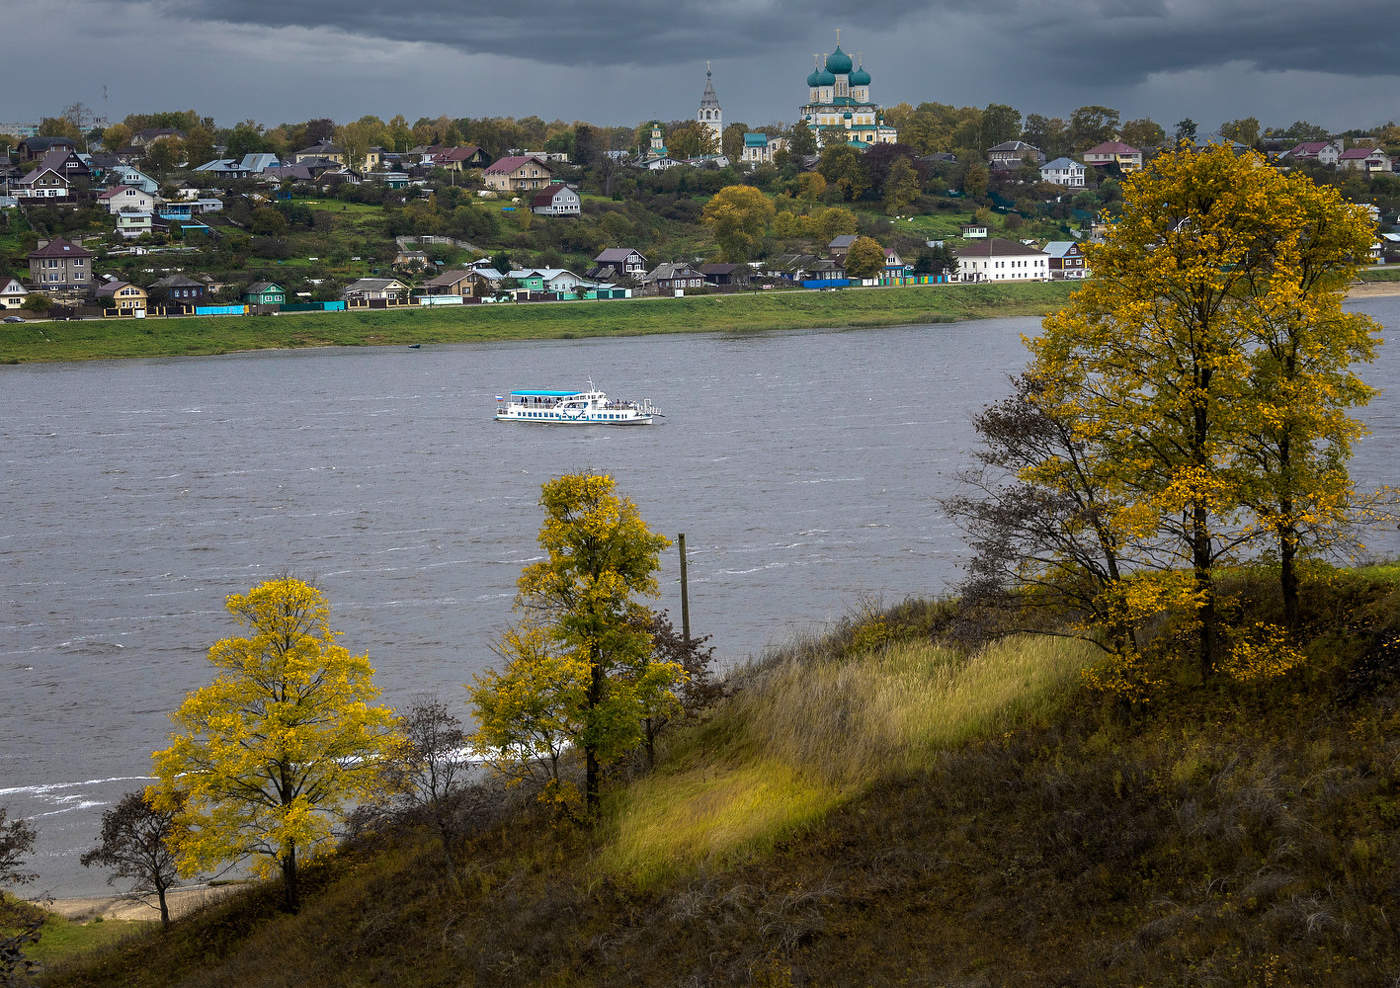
<point>883,807</point>
<point>93,339</point>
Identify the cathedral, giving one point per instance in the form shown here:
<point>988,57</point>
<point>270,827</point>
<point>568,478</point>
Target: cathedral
<point>838,107</point>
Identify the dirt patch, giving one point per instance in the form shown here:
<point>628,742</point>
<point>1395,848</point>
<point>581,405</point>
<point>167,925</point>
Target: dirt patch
<point>180,901</point>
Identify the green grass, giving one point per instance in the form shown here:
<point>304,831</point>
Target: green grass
<point>62,940</point>
<point>1368,275</point>
<point>92,339</point>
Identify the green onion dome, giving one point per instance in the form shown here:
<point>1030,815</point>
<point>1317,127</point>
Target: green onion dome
<point>815,78</point>
<point>838,62</point>
<point>860,77</point>
<point>826,79</point>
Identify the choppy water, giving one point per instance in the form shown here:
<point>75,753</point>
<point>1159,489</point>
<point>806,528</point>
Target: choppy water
<point>135,495</point>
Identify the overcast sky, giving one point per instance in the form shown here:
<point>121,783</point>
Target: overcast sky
<point>625,61</point>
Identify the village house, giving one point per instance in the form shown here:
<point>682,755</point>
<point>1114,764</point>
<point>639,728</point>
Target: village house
<point>998,259</point>
<point>727,275</point>
<point>126,298</point>
<point>1066,260</point>
<point>413,259</point>
<point>1368,160</point>
<point>671,277</point>
<point>557,199</point>
<point>34,148</point>
<point>1126,158</point>
<point>621,262</point>
<point>1012,154</point>
<point>1064,171</point>
<point>321,151</point>
<point>559,280</point>
<point>518,173</point>
<point>462,281</point>
<point>826,269</point>
<point>13,294</point>
<point>264,293</point>
<point>41,183</point>
<point>133,223</point>
<point>459,159</point>
<point>841,246</point>
<point>1323,152</point>
<point>375,290</point>
<point>759,149</point>
<point>895,266</point>
<point>790,267</point>
<point>57,265</point>
<point>123,197</point>
<point>133,177</point>
<point>974,231</point>
<point>178,288</point>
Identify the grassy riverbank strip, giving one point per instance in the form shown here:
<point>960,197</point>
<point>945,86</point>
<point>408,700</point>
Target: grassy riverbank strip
<point>749,312</point>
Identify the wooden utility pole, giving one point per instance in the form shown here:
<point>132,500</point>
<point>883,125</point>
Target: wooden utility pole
<point>685,594</point>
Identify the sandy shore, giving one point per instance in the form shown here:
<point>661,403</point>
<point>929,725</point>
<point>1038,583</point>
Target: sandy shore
<point>1374,289</point>
<point>180,901</point>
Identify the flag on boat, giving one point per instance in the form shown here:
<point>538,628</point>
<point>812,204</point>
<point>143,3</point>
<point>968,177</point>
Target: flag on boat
<point>500,397</point>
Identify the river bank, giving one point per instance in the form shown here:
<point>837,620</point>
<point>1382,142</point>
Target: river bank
<point>740,313</point>
<point>180,901</point>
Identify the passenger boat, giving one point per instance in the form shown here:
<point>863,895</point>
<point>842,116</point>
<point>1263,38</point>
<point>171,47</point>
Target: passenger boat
<point>572,408</point>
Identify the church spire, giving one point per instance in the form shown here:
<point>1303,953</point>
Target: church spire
<point>710,113</point>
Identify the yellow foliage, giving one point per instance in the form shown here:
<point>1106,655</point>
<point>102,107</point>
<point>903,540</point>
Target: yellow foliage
<point>1261,652</point>
<point>267,755</point>
<point>579,671</point>
<point>1207,370</point>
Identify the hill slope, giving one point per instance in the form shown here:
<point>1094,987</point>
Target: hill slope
<point>879,808</point>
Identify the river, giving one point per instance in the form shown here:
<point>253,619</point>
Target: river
<point>803,467</point>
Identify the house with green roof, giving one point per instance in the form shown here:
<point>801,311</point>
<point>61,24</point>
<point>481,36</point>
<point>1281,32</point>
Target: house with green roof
<point>265,293</point>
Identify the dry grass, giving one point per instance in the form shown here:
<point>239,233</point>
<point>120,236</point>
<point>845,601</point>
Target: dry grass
<point>804,737</point>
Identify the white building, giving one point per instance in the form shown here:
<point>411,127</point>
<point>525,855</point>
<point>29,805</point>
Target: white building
<point>997,259</point>
<point>710,113</point>
<point>1064,171</point>
<point>556,200</point>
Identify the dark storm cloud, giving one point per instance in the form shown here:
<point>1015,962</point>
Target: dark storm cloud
<point>1125,41</point>
<point>1114,42</point>
<point>556,32</point>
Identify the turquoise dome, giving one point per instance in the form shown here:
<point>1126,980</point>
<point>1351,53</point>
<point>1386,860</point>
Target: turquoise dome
<point>838,62</point>
<point>815,78</point>
<point>826,79</point>
<point>860,77</point>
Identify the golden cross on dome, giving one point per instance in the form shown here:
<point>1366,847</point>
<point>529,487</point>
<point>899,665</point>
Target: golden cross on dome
<point>838,37</point>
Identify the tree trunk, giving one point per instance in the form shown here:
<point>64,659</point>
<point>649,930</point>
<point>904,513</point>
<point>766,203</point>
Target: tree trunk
<point>1205,587</point>
<point>164,908</point>
<point>1288,577</point>
<point>590,747</point>
<point>291,901</point>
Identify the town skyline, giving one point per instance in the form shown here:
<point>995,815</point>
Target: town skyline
<point>622,63</point>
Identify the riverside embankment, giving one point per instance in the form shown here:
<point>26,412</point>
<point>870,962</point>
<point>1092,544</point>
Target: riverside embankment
<point>748,312</point>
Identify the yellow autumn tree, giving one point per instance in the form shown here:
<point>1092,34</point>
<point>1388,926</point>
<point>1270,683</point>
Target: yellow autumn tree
<point>1205,368</point>
<point>1303,385</point>
<point>267,756</point>
<point>579,671</point>
<point>738,215</point>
